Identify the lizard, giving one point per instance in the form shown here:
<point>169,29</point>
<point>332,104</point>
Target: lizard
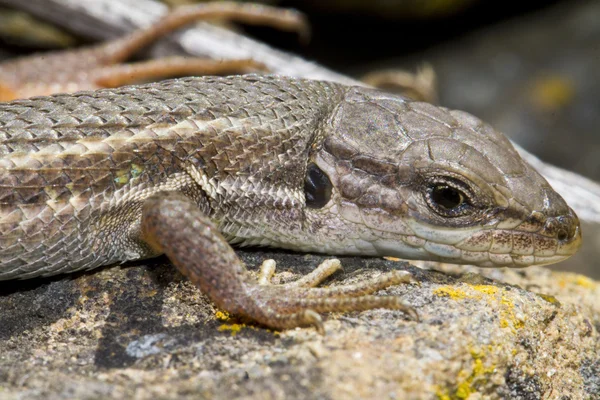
<point>101,65</point>
<point>189,167</point>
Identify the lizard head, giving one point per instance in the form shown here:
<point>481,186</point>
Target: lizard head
<point>408,179</point>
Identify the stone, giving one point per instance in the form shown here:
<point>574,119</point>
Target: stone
<point>144,331</point>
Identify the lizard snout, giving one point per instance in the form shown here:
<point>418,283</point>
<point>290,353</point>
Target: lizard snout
<point>559,236</point>
<point>565,228</point>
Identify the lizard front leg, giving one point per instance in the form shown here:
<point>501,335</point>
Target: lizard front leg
<point>173,224</point>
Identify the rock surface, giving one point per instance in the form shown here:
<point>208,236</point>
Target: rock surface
<point>144,331</point>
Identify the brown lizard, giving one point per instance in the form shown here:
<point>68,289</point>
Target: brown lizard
<point>101,66</point>
<point>187,167</point>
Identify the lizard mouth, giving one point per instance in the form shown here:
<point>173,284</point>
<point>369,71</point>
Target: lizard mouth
<point>538,240</point>
<point>516,249</point>
<point>519,249</point>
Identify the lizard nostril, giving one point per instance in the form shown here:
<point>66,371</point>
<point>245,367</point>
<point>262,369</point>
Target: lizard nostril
<point>564,228</point>
<point>568,227</point>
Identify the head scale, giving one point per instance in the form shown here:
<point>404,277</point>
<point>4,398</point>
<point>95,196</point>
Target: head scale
<point>413,180</point>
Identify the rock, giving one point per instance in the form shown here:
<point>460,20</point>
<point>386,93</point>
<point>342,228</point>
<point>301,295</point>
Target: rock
<point>143,330</point>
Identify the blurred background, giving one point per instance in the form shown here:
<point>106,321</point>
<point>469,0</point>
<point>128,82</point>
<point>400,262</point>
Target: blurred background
<point>531,69</point>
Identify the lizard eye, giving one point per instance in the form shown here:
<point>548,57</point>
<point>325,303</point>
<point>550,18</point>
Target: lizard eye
<point>317,187</point>
<point>448,199</point>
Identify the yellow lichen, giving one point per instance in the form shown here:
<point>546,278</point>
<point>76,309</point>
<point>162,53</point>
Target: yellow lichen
<point>453,293</point>
<point>508,317</point>
<point>479,372</point>
<point>550,299</point>
<point>585,282</point>
<point>471,377</point>
<point>485,289</point>
<point>222,315</point>
<point>576,279</point>
<point>441,394</point>
<point>233,328</point>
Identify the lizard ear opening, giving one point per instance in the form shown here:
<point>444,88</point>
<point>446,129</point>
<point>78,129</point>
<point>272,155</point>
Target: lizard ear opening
<point>317,187</point>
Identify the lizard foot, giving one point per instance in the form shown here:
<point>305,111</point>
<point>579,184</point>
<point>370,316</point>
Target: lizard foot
<point>322,272</point>
<point>283,301</point>
<point>174,224</point>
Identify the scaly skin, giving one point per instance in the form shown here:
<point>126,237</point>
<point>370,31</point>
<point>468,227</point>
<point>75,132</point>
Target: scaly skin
<point>107,176</point>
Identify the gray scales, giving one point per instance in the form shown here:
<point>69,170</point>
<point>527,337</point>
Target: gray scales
<point>106,19</point>
<point>184,167</point>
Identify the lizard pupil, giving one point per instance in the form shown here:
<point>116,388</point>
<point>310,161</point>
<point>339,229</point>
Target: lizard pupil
<point>317,187</point>
<point>447,197</point>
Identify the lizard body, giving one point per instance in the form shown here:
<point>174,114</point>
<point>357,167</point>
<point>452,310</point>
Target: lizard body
<point>100,177</point>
